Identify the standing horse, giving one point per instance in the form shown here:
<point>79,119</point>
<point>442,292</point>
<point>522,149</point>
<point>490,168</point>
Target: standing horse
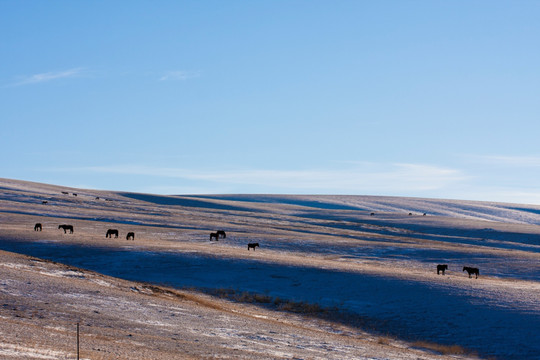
<point>442,268</point>
<point>130,235</point>
<point>253,246</point>
<point>214,236</point>
<point>111,232</point>
<point>221,233</point>
<point>66,228</point>
<point>37,227</point>
<point>471,271</point>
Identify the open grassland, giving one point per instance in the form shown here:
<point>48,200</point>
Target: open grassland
<point>334,276</point>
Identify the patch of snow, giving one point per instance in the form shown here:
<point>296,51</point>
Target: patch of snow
<point>19,351</point>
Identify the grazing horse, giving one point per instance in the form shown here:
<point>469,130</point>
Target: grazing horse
<point>66,228</point>
<point>130,235</point>
<point>37,227</point>
<point>221,233</point>
<point>111,232</point>
<point>253,246</point>
<point>410,214</point>
<point>214,236</point>
<point>372,214</point>
<point>471,271</point>
<point>442,268</point>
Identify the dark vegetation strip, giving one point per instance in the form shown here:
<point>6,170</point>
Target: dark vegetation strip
<point>330,314</point>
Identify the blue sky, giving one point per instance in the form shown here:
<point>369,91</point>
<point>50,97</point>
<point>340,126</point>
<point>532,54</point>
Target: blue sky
<point>407,98</point>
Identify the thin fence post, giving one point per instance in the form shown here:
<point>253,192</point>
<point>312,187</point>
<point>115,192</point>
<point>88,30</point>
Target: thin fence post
<point>77,341</point>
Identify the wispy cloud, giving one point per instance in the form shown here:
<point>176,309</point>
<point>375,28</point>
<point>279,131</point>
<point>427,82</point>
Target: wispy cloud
<point>49,76</point>
<point>373,178</point>
<point>517,161</point>
<point>497,194</point>
<point>179,75</point>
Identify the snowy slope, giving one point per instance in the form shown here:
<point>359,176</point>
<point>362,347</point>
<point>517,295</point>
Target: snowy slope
<point>377,270</point>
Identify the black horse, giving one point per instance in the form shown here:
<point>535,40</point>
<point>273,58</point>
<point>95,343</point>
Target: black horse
<point>66,228</point>
<point>130,235</point>
<point>253,246</point>
<point>442,268</point>
<point>214,236</point>
<point>221,233</point>
<point>471,271</point>
<point>38,227</point>
<point>111,232</point>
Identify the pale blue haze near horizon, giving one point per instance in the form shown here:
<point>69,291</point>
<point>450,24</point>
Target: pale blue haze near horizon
<point>435,99</point>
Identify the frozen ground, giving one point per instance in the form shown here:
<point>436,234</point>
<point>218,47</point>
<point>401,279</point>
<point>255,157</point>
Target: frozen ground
<point>378,270</point>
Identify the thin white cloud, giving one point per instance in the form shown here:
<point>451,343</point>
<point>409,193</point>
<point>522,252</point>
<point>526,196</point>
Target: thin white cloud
<point>390,178</point>
<point>517,161</point>
<point>497,194</point>
<point>179,75</point>
<point>404,179</point>
<point>49,76</point>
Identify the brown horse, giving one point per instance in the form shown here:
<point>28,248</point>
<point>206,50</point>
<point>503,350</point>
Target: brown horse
<point>253,246</point>
<point>38,227</point>
<point>66,228</point>
<point>111,232</point>
<point>442,268</point>
<point>214,236</point>
<point>221,233</point>
<point>471,271</point>
<point>130,235</point>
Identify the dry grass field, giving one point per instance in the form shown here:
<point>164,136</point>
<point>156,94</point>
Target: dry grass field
<point>335,277</point>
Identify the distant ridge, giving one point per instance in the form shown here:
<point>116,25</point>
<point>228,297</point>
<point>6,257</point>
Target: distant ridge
<point>466,209</point>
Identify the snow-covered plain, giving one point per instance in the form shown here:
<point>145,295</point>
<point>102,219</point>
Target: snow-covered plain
<point>372,259</point>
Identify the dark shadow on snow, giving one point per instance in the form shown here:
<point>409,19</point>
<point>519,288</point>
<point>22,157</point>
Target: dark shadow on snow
<point>182,201</point>
<point>405,309</point>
